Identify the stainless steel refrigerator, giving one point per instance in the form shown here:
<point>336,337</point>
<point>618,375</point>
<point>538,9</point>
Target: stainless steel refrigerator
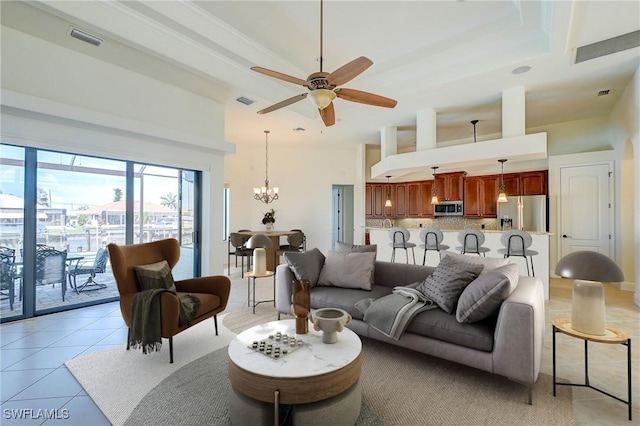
<point>525,212</point>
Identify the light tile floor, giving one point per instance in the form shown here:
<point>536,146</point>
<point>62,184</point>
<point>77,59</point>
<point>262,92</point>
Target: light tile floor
<point>34,377</point>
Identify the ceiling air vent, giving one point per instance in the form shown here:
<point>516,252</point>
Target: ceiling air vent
<point>245,101</point>
<point>604,92</point>
<point>607,47</point>
<point>84,36</point>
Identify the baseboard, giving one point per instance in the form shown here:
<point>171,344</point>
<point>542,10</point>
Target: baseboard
<point>628,286</point>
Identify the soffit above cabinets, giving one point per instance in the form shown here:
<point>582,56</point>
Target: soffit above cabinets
<point>459,157</point>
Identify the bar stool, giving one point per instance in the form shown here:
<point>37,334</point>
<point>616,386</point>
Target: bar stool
<point>517,243</point>
<point>432,239</point>
<point>472,241</point>
<point>400,240</point>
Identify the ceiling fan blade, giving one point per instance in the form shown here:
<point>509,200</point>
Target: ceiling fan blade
<point>365,98</point>
<point>279,75</point>
<point>328,115</point>
<point>284,103</point>
<point>349,71</point>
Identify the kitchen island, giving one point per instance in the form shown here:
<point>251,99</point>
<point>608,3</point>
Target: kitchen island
<point>380,236</point>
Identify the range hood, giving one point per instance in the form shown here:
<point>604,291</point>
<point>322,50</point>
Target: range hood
<point>517,148</point>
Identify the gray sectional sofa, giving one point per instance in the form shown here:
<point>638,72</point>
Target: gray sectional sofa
<point>509,343</point>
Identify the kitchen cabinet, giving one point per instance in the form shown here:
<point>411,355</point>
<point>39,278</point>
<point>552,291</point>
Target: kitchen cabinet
<point>450,186</point>
<point>399,200</point>
<point>526,183</point>
<point>426,190</point>
<point>534,183</point>
<point>480,196</point>
<point>414,199</point>
<point>375,197</point>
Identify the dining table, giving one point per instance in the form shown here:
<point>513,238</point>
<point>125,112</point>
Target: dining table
<point>274,236</point>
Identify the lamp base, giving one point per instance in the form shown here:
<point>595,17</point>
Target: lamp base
<point>259,261</point>
<point>588,308</point>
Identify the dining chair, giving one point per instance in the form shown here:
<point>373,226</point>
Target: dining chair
<point>295,243</point>
<point>239,241</point>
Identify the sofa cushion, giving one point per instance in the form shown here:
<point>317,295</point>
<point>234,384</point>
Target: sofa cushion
<point>348,270</point>
<point>484,295</point>
<point>488,263</point>
<point>345,298</point>
<point>439,325</point>
<point>354,248</point>
<point>448,281</point>
<point>155,276</point>
<point>306,265</point>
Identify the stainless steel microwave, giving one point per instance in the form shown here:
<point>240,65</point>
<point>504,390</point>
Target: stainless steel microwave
<point>448,208</point>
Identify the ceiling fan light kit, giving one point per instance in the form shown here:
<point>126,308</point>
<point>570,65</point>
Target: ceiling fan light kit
<point>324,86</point>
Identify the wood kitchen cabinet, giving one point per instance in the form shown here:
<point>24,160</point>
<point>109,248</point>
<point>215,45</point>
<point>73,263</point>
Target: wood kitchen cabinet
<point>426,190</point>
<point>414,199</point>
<point>511,184</point>
<point>375,198</point>
<point>533,183</point>
<point>450,186</point>
<point>399,200</point>
<point>480,196</point>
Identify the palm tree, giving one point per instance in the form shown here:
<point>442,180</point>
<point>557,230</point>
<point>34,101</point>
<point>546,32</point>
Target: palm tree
<point>169,200</point>
<point>117,194</point>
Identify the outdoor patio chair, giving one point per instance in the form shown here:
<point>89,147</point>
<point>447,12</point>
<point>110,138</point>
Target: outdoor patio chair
<point>213,291</point>
<point>7,274</point>
<point>51,268</point>
<point>98,266</point>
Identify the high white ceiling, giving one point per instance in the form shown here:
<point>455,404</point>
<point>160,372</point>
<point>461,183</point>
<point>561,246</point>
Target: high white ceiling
<point>453,56</point>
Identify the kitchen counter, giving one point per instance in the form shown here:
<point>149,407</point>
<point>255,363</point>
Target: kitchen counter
<point>485,231</point>
<point>380,236</point>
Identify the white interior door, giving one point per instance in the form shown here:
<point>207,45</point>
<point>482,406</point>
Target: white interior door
<point>585,209</point>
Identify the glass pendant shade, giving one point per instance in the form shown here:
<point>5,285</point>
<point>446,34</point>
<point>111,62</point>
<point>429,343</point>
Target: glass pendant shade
<point>434,199</point>
<point>322,97</point>
<point>434,192</point>
<point>388,202</point>
<point>502,197</point>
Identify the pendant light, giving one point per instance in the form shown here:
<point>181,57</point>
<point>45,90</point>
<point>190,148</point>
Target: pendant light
<point>265,193</point>
<point>434,191</point>
<point>474,122</point>
<point>502,197</point>
<point>388,202</point>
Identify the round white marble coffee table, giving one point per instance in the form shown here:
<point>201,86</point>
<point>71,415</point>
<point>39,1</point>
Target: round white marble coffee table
<point>308,377</point>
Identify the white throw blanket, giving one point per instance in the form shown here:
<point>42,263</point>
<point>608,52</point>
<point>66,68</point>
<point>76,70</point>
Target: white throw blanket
<point>392,314</point>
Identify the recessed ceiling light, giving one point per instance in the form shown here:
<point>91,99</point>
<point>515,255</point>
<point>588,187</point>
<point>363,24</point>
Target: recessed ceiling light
<point>521,70</point>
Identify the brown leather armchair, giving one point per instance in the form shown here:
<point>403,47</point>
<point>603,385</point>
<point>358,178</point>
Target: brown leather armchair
<point>212,291</point>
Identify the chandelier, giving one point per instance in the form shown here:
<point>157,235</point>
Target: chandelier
<point>265,193</point>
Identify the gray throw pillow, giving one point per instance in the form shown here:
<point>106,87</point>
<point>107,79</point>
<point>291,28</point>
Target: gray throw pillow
<point>306,265</point>
<point>488,263</point>
<point>484,295</point>
<point>348,270</point>
<point>155,276</point>
<point>448,281</point>
<point>354,248</point>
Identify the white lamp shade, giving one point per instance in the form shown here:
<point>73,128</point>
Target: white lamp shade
<point>322,97</point>
<point>502,197</point>
<point>387,203</point>
<point>434,199</point>
<point>259,261</point>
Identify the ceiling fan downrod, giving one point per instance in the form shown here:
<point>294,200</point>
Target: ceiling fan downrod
<point>321,14</point>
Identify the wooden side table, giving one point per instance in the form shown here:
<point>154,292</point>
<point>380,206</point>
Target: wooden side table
<point>613,336</point>
<point>251,301</point>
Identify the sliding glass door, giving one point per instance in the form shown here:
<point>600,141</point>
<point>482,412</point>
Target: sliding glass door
<point>58,212</point>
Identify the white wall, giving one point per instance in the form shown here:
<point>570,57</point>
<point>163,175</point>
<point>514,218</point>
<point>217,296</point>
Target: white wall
<point>625,134</point>
<point>55,98</point>
<point>305,177</point>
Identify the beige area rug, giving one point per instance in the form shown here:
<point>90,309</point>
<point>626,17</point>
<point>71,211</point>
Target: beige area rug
<point>117,379</point>
<point>404,387</point>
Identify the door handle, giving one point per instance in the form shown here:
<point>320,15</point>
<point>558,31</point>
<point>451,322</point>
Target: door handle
<point>565,236</point>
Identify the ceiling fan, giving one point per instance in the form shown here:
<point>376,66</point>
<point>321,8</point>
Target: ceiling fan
<point>324,88</point>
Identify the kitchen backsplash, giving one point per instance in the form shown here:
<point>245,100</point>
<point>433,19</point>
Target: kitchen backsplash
<point>453,223</point>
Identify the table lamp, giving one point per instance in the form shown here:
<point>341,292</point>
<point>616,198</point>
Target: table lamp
<point>589,269</point>
<point>258,243</point>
